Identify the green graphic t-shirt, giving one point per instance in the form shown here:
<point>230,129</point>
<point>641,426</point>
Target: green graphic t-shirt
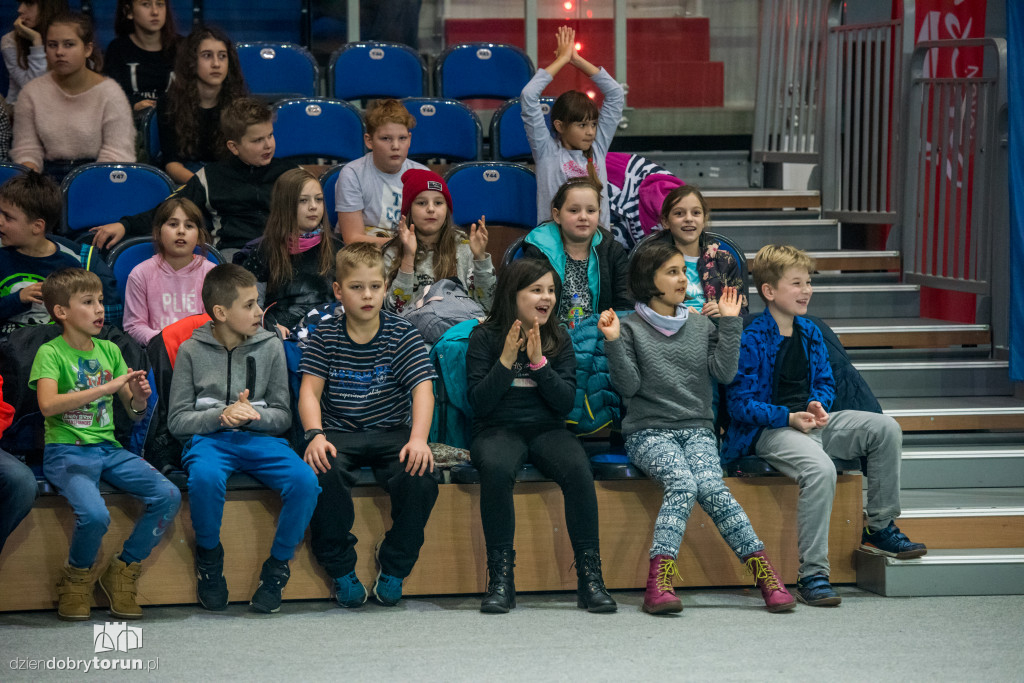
<point>76,370</point>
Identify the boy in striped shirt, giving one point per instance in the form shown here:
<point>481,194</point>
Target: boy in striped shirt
<point>367,399</point>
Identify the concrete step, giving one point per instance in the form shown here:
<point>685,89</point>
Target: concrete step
<point>856,278</point>
<point>895,379</point>
<point>964,517</point>
<point>972,571</point>
<point>903,331</point>
<point>849,260</point>
<point>857,301</point>
<point>949,353</point>
<point>755,199</point>
<point>751,235</point>
<point>961,413</point>
<point>962,466</point>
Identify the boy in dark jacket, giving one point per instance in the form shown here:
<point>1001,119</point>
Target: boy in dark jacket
<point>229,398</point>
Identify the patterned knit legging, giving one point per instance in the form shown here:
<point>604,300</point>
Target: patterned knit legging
<point>685,462</point>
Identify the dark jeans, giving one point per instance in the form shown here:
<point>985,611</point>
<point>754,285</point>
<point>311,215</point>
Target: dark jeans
<point>500,452</point>
<point>412,499</point>
<point>17,493</point>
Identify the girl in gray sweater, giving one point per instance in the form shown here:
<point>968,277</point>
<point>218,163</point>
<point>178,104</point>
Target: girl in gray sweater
<point>662,361</point>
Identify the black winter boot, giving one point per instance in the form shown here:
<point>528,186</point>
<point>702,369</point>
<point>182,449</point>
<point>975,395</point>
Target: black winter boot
<point>590,591</point>
<point>501,588</point>
<point>210,583</point>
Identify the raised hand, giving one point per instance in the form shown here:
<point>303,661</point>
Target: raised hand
<point>566,44</point>
<point>819,413</point>
<point>513,343</point>
<point>608,323</point>
<point>407,238</point>
<point>534,345</point>
<point>478,239</point>
<point>729,302</point>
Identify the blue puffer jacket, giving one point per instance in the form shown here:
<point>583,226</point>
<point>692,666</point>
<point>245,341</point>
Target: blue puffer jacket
<point>453,415</point>
<point>750,394</point>
<point>597,403</point>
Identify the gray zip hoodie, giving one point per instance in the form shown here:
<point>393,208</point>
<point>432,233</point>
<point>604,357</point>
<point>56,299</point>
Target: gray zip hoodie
<point>207,378</point>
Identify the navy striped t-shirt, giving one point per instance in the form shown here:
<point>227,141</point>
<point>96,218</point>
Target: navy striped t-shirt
<point>368,386</point>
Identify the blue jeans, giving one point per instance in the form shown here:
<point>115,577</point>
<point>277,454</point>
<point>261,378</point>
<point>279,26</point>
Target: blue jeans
<point>76,472</point>
<point>17,493</point>
<point>210,459</point>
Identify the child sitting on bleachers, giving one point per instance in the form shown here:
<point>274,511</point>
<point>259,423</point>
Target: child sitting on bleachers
<point>235,192</point>
<point>207,78</point>
<point>23,51</point>
<point>583,133</point>
<point>294,261</point>
<point>367,400</point>
<point>233,356</point>
<point>428,246</point>
<point>30,207</point>
<point>141,57</point>
<point>75,377</point>
<point>368,195</point>
<point>164,288</point>
<point>591,264</point>
<point>664,363</point>
<point>72,115</point>
<point>779,404</point>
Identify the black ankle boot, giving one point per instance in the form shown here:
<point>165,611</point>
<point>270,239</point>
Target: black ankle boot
<point>590,591</point>
<point>210,584</point>
<point>501,588</point>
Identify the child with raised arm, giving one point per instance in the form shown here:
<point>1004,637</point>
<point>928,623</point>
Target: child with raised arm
<point>779,404</point>
<point>76,377</point>
<point>233,356</point>
<point>583,133</point>
<point>664,362</point>
<point>521,381</point>
<point>367,399</point>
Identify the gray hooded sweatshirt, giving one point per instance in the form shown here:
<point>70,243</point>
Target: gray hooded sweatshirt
<point>207,378</point>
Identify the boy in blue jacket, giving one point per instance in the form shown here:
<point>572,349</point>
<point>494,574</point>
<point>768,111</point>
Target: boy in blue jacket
<point>779,403</point>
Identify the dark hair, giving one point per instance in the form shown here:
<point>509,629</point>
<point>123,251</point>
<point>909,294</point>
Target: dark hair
<point>243,112</point>
<point>283,224</point>
<point>514,278</point>
<point>643,266</point>
<point>674,196</point>
<point>192,212</point>
<point>220,288</point>
<point>36,195</point>
<point>183,93</point>
<point>86,33</point>
<point>571,107</point>
<point>48,9</point>
<point>60,285</point>
<point>125,26</point>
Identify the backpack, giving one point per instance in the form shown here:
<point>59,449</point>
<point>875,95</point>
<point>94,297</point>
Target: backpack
<point>443,304</point>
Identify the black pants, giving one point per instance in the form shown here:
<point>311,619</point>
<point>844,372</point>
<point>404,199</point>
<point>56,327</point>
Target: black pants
<point>412,499</point>
<point>500,452</point>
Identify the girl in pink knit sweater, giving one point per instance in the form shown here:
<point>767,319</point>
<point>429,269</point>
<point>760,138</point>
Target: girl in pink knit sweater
<point>165,288</point>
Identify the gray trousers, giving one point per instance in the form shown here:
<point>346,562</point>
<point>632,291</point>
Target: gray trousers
<point>806,458</point>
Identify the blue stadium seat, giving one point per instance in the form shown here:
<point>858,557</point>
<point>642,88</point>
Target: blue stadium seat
<point>316,127</point>
<point>151,137</point>
<point>505,193</point>
<point>482,70</point>
<point>508,134</point>
<point>9,169</point>
<point>286,21</point>
<point>375,70</point>
<point>97,194</point>
<point>278,70</point>
<point>445,129</point>
<point>514,251</point>
<point>133,251</point>
<point>328,181</point>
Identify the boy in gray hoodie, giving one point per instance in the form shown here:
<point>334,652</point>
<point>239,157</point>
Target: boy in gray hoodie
<point>229,400</point>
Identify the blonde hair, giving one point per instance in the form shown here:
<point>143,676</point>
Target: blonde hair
<point>773,260</point>
<point>60,285</point>
<point>359,254</point>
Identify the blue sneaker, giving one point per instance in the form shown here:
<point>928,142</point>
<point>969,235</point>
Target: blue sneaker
<point>891,542</point>
<point>387,589</point>
<point>816,591</point>
<point>348,591</point>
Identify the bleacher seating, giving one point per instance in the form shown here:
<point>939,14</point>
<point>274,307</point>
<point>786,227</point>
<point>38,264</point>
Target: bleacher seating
<point>369,70</point>
<point>97,194</point>
<point>482,70</point>
<point>328,181</point>
<point>278,70</point>
<point>445,129</point>
<point>508,134</point>
<point>285,21</point>
<point>317,127</point>
<point>133,251</point>
<point>9,169</point>
<point>505,193</point>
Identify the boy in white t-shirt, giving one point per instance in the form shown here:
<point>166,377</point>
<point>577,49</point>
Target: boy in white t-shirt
<point>368,196</point>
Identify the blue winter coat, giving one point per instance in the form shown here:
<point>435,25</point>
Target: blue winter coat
<point>597,404</point>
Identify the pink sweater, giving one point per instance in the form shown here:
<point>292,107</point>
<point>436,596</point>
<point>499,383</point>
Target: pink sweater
<point>51,124</point>
<point>156,295</point>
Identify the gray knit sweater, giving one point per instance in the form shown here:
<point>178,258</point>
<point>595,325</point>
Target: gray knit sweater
<point>666,381</point>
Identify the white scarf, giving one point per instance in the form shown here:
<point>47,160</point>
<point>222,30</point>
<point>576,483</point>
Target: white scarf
<point>667,325</point>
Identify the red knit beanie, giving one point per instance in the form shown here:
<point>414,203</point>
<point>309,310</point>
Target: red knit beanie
<point>417,180</point>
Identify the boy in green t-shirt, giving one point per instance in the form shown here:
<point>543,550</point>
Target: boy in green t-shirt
<point>75,377</point>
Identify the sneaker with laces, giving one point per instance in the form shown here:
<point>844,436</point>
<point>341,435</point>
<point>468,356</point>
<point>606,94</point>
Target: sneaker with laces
<point>891,542</point>
<point>776,597</point>
<point>816,591</point>
<point>348,591</point>
<point>273,577</point>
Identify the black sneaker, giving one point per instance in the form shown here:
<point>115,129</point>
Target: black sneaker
<point>816,591</point>
<point>273,577</point>
<point>891,542</point>
<point>210,583</point>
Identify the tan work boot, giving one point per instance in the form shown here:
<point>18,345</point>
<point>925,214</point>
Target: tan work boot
<point>74,593</point>
<point>119,583</point>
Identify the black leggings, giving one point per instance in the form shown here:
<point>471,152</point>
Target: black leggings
<point>500,452</point>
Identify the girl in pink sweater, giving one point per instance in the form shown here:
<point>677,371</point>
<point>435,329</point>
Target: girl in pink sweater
<point>72,115</point>
<point>166,288</point>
